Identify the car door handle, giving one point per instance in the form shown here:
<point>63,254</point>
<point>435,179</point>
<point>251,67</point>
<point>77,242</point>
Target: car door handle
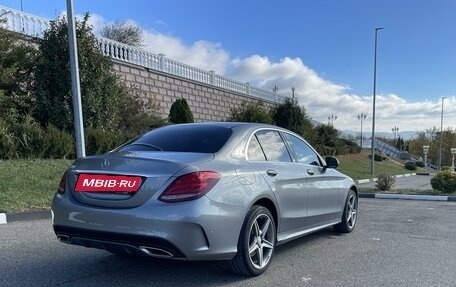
<point>310,172</point>
<point>272,172</point>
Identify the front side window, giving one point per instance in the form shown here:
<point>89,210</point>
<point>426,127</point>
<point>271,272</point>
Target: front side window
<point>304,154</point>
<point>273,146</point>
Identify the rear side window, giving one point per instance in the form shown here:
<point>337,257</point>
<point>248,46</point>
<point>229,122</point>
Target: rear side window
<point>254,151</point>
<point>181,138</point>
<point>273,146</point>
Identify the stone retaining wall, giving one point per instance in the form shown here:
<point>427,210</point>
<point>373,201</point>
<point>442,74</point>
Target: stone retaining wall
<point>207,103</point>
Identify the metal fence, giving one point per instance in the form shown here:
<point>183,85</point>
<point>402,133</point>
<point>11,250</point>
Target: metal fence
<point>34,26</point>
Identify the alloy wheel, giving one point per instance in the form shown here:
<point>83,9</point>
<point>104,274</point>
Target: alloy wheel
<point>261,241</point>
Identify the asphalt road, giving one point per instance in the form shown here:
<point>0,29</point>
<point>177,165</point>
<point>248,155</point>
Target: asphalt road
<point>396,243</point>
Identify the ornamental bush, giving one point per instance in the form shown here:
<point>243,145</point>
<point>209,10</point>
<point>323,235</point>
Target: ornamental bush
<point>180,112</point>
<point>420,163</point>
<point>99,141</point>
<point>378,156</point>
<point>253,112</point>
<point>385,181</point>
<point>410,165</point>
<point>444,181</point>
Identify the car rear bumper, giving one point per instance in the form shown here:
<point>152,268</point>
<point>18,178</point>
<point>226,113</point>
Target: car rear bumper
<point>194,230</point>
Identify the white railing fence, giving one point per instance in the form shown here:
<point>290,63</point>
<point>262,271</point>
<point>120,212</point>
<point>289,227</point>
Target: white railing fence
<point>34,26</point>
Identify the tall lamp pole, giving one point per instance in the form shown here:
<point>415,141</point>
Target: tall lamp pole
<point>453,152</point>
<point>274,90</point>
<point>395,130</point>
<point>362,117</point>
<point>75,83</point>
<point>373,104</point>
<point>425,151</point>
<point>331,119</point>
<point>441,136</point>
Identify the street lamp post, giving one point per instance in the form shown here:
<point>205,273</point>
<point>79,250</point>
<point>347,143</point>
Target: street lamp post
<point>395,130</point>
<point>453,151</point>
<point>75,83</point>
<point>441,136</point>
<point>362,117</point>
<point>425,151</point>
<point>274,90</point>
<point>373,104</point>
<point>292,91</point>
<point>331,119</point>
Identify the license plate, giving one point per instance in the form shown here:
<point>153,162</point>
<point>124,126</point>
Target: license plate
<point>107,183</point>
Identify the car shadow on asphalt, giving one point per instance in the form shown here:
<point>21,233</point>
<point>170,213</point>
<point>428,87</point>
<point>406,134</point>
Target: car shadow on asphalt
<point>165,272</point>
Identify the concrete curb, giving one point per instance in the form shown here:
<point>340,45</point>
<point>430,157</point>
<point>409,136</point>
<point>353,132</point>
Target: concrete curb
<point>3,218</point>
<point>367,180</point>
<point>25,216</point>
<point>408,196</point>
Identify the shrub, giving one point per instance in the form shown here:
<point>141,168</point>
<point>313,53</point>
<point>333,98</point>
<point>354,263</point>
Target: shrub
<point>448,168</point>
<point>253,112</point>
<point>420,163</point>
<point>378,156</point>
<point>59,143</point>
<point>7,142</point>
<point>385,181</point>
<point>29,138</point>
<point>410,165</point>
<point>444,181</point>
<point>99,141</point>
<point>180,112</point>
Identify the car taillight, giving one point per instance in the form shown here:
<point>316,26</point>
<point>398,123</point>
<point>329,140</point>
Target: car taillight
<point>190,186</point>
<point>61,188</point>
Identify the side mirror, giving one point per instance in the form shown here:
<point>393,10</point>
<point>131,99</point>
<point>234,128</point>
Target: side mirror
<point>331,162</point>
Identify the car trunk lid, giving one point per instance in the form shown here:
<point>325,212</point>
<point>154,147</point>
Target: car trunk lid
<point>125,180</point>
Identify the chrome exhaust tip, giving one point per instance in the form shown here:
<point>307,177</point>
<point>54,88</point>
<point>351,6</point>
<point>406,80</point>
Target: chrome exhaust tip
<point>155,252</point>
<point>63,238</point>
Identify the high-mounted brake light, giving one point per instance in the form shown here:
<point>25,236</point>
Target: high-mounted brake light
<point>61,189</point>
<point>190,186</point>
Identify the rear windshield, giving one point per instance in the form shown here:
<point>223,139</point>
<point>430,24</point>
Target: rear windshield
<point>181,138</point>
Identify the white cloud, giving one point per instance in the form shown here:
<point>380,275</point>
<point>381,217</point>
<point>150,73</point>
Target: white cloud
<point>318,95</point>
<point>201,54</point>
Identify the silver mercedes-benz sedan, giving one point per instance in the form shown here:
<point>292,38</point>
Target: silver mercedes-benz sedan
<point>204,191</point>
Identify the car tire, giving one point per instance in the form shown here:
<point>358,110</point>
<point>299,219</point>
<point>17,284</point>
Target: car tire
<point>256,243</point>
<point>350,214</point>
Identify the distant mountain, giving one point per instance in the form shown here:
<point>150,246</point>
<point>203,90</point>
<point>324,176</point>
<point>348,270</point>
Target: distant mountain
<point>406,135</point>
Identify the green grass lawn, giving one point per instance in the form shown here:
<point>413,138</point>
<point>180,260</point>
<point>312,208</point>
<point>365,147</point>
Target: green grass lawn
<point>29,184</point>
<point>358,166</point>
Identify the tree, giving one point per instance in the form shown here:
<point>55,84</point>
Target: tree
<point>253,112</point>
<point>104,98</point>
<point>327,135</point>
<point>291,116</point>
<point>180,112</point>
<point>17,63</point>
<point>125,32</point>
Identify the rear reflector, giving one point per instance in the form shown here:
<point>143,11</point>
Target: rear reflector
<point>61,188</point>
<point>107,183</point>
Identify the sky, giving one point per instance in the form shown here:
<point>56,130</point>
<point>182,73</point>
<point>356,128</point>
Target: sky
<point>324,48</point>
